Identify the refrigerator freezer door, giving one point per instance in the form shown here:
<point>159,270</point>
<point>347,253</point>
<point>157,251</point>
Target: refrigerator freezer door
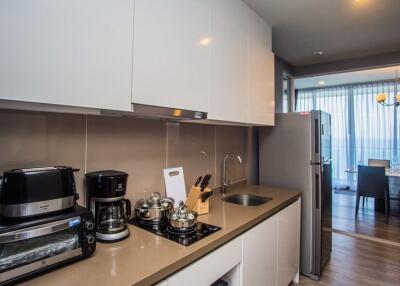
<point>321,137</point>
<point>326,138</point>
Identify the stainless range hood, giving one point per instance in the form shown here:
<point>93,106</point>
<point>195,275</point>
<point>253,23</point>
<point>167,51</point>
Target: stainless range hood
<point>157,112</point>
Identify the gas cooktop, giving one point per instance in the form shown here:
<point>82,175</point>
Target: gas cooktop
<point>201,231</point>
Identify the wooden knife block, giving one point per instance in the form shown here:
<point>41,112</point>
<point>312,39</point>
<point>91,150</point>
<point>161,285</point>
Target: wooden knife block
<point>194,203</point>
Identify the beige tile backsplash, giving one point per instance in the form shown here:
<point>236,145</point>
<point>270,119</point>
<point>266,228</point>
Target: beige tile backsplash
<point>140,147</point>
<point>135,146</point>
<point>43,139</point>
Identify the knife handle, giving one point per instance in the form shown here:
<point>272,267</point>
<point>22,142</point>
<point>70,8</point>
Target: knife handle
<point>198,181</point>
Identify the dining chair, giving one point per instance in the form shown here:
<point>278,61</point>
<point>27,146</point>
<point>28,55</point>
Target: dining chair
<point>379,163</point>
<point>373,183</point>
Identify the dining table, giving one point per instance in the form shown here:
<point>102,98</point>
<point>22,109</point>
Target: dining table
<point>394,190</point>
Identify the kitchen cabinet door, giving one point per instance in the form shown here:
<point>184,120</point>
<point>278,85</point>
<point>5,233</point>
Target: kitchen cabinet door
<point>261,72</point>
<point>259,254</point>
<point>288,243</point>
<point>211,267</point>
<point>68,52</point>
<point>172,53</point>
<point>229,62</point>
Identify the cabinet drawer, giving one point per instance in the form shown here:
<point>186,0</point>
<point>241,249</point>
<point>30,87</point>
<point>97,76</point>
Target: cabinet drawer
<point>210,268</point>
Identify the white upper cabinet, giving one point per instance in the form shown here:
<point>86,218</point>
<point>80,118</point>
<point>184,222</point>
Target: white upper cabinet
<point>242,65</point>
<point>212,56</point>
<point>68,52</point>
<point>172,53</point>
<point>261,72</point>
<point>229,62</point>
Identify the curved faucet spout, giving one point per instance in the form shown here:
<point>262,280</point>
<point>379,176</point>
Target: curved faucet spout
<point>226,184</point>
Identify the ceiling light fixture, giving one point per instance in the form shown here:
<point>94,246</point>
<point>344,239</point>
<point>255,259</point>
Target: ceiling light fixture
<point>318,53</point>
<point>205,41</point>
<point>382,97</point>
<point>321,82</point>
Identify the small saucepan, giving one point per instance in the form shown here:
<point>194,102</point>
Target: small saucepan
<point>182,219</point>
<point>155,209</point>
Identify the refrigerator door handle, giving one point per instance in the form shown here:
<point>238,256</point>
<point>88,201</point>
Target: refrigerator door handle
<point>317,191</point>
<point>319,163</point>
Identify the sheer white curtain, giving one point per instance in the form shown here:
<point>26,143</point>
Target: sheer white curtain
<point>375,125</point>
<point>361,128</point>
<point>334,101</point>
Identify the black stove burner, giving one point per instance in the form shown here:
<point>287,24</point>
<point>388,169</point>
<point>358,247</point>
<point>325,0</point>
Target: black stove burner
<point>186,231</point>
<point>199,232</point>
<point>150,223</point>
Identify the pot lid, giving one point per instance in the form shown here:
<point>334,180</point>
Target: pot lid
<point>182,213</point>
<point>155,201</point>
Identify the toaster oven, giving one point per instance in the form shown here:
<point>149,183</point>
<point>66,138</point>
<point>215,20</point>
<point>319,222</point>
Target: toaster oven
<point>37,191</point>
<point>31,246</point>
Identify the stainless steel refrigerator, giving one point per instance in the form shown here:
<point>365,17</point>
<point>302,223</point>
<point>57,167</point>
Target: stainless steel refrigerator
<point>296,154</point>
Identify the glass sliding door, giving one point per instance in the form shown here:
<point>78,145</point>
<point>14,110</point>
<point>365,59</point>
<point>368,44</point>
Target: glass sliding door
<point>361,128</point>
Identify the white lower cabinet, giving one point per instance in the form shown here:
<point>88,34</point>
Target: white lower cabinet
<point>266,255</point>
<point>259,254</point>
<point>213,266</point>
<point>271,250</point>
<point>288,237</point>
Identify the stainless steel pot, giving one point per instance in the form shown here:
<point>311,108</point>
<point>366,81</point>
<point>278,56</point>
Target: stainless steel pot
<point>155,208</point>
<point>182,218</point>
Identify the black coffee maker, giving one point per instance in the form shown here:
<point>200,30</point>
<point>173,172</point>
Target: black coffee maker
<point>105,197</point>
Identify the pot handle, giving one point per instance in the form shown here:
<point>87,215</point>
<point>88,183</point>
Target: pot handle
<point>182,209</point>
<point>128,208</point>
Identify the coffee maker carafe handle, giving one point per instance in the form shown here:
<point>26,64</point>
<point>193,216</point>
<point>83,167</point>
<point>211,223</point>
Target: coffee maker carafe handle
<point>128,208</point>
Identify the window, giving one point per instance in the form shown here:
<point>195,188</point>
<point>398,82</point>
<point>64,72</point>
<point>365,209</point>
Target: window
<point>286,87</point>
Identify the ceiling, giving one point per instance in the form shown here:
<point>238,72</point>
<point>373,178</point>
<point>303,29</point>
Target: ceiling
<point>342,29</point>
<point>348,77</point>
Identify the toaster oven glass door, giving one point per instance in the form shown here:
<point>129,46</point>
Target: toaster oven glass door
<point>30,249</point>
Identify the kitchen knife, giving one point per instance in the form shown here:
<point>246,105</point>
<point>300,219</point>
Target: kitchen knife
<point>205,182</point>
<point>205,196</point>
<point>198,181</point>
<point>208,179</point>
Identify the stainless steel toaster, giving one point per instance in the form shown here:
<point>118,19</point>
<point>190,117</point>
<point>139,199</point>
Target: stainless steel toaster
<point>36,191</point>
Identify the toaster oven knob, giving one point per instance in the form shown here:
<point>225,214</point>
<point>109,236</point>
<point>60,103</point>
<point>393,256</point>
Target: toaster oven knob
<point>90,239</point>
<point>89,225</point>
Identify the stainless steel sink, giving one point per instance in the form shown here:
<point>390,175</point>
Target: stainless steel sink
<point>246,200</point>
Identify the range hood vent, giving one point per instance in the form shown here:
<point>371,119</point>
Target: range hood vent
<point>150,111</point>
<point>138,110</point>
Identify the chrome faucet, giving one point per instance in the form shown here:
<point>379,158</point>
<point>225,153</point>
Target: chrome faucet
<point>225,184</point>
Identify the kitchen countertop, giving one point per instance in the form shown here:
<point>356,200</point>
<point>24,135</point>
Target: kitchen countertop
<point>145,258</point>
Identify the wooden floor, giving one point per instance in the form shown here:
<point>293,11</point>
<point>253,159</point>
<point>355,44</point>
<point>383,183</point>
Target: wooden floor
<point>369,222</point>
<point>359,262</point>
